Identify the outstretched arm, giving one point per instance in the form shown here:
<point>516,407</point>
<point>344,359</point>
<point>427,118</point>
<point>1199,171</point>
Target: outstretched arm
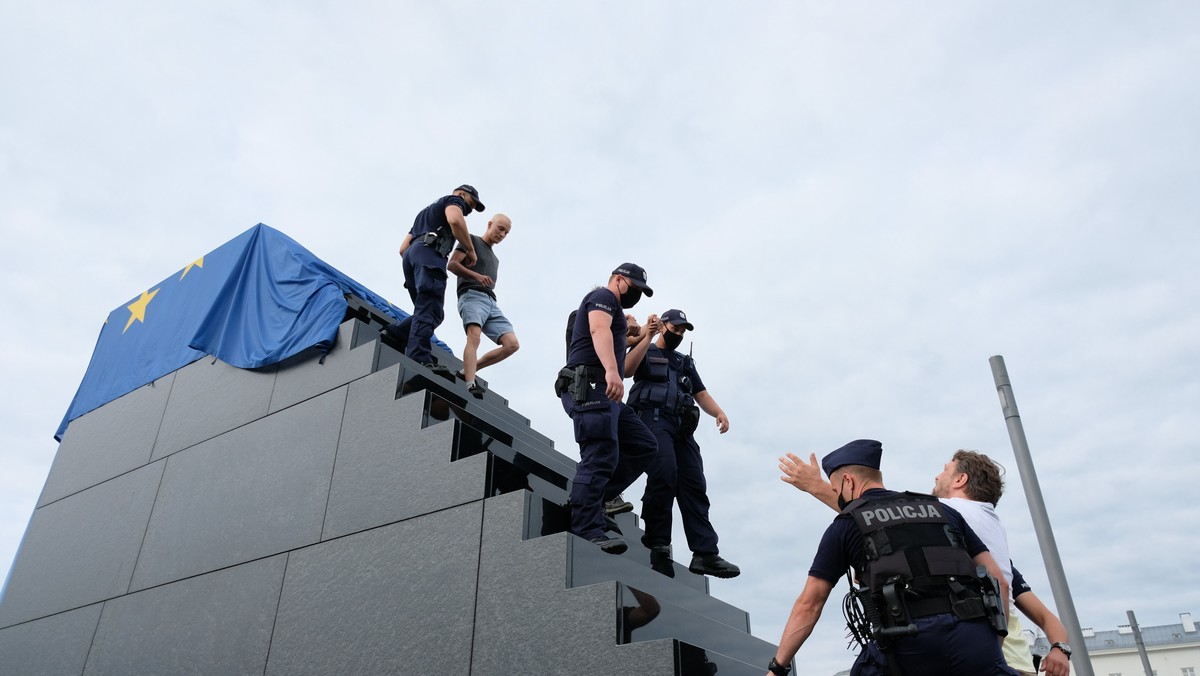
<point>807,477</point>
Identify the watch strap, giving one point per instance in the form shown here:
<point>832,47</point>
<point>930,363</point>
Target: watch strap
<point>779,669</point>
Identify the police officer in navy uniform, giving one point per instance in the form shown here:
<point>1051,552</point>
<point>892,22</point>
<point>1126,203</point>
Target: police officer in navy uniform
<point>923,607</point>
<point>668,395</point>
<point>614,444</point>
<point>424,252</point>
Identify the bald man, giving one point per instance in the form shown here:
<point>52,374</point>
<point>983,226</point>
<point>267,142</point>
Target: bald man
<point>477,302</point>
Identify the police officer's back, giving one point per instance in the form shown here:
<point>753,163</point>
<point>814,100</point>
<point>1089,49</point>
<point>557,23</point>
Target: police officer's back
<point>920,607</point>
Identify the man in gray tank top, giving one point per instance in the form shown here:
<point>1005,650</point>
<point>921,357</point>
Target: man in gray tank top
<point>477,302</point>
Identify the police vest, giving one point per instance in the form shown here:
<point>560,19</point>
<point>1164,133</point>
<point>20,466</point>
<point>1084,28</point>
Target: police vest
<point>908,537</point>
<point>662,386</point>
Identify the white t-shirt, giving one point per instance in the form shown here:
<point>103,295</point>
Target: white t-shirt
<point>981,517</point>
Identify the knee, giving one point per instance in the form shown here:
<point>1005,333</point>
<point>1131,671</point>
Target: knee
<point>509,344</point>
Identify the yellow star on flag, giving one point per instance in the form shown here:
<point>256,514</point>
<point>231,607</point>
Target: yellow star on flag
<point>198,263</point>
<point>137,309</point>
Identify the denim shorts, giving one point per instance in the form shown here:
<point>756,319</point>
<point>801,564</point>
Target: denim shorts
<point>476,307</point>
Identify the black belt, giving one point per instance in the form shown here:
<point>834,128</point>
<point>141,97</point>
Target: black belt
<point>965,609</point>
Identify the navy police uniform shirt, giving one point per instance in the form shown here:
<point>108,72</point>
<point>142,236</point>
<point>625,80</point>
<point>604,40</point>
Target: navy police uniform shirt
<point>581,350</point>
<point>842,544</point>
<point>1019,585</point>
<point>433,219</point>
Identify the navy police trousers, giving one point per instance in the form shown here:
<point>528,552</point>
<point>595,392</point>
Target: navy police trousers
<point>426,286</point>
<point>677,474</point>
<point>945,646</point>
<point>614,449</point>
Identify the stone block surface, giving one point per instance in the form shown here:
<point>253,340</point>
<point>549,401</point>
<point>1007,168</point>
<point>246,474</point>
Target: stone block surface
<point>219,623</point>
<point>253,492</point>
<point>210,398</point>
<point>51,646</point>
<point>108,441</point>
<point>527,622</point>
<point>388,467</point>
<point>393,600</point>
<point>305,375</point>
<point>81,549</point>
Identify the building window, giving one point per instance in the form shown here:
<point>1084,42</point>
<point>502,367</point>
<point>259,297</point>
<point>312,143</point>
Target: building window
<point>1188,671</point>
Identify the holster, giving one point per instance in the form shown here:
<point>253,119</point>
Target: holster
<point>573,380</point>
<point>440,243</point>
<point>689,419</point>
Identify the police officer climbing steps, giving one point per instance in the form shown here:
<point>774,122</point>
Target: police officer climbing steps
<point>614,444</point>
<point>668,396</point>
<point>424,252</point>
<point>929,598</point>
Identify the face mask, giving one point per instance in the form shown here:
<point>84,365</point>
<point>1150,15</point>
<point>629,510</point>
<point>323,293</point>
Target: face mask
<point>842,502</point>
<point>672,340</point>
<point>631,297</point>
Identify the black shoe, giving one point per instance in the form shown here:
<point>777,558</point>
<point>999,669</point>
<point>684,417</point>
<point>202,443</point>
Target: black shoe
<point>611,524</point>
<point>618,505</point>
<point>439,370</point>
<point>610,545</point>
<point>476,390</point>
<point>392,339</point>
<point>660,560</point>
<point>712,564</point>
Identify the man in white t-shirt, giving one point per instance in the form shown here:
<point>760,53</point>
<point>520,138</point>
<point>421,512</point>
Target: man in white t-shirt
<point>972,484</point>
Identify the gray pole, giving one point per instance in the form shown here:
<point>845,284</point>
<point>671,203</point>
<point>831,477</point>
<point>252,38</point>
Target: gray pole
<point>1041,521</point>
<point>1141,646</point>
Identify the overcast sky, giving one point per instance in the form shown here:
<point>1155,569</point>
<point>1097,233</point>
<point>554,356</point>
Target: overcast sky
<point>857,204</point>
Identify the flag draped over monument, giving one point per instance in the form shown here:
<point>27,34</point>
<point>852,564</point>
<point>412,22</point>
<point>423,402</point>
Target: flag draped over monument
<point>256,300</point>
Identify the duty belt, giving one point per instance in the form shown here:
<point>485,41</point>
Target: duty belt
<point>965,609</point>
<point>438,242</point>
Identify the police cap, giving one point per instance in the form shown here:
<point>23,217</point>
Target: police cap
<point>865,452</point>
<point>470,190</point>
<point>636,275</point>
<point>676,318</point>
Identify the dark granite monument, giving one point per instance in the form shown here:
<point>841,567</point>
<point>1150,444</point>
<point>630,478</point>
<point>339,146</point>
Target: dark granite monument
<point>339,513</point>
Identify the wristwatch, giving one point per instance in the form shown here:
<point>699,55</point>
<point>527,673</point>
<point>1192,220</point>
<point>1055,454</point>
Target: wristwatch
<point>779,669</point>
<point>1066,649</point>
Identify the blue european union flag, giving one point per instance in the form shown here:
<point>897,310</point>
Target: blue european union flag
<point>256,300</point>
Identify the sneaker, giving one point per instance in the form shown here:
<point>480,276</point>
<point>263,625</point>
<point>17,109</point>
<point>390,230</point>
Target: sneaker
<point>712,564</point>
<point>610,545</point>
<point>476,390</point>
<point>618,505</point>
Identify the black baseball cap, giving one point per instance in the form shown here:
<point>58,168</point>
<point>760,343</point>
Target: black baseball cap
<point>636,274</point>
<point>676,318</point>
<point>470,190</point>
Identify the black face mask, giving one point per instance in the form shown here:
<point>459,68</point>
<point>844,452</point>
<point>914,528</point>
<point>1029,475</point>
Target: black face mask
<point>672,340</point>
<point>842,502</point>
<point>631,297</point>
